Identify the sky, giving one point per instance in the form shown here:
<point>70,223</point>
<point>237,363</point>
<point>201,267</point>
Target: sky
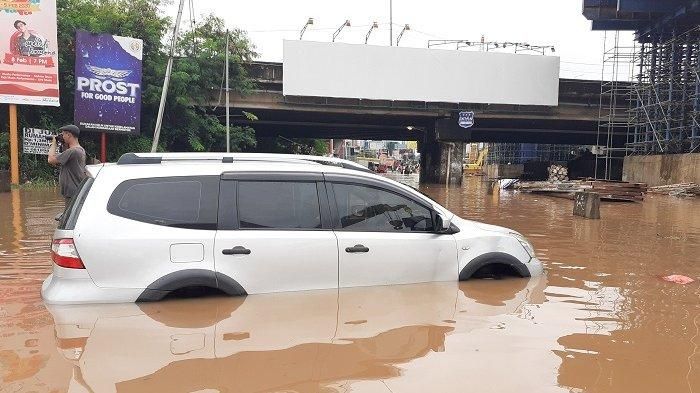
<point>538,22</point>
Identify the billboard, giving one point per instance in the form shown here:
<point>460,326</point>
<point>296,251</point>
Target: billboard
<point>29,65</point>
<point>34,141</point>
<point>415,74</point>
<point>107,83</point>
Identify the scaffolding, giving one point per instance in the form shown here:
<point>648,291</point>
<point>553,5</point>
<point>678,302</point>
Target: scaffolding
<point>667,93</point>
<point>520,153</point>
<point>615,111</point>
<point>650,91</point>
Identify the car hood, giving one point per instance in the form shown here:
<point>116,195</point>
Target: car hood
<point>464,224</point>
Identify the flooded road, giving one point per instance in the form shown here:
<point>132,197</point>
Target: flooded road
<point>601,320</point>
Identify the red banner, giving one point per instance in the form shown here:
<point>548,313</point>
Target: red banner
<point>46,61</point>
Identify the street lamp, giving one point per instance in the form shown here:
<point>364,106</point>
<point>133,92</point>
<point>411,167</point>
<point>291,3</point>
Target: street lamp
<point>405,29</point>
<point>375,25</point>
<point>347,23</point>
<point>308,23</point>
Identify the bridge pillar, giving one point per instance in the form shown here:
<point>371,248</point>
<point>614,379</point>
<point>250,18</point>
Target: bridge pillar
<point>442,153</point>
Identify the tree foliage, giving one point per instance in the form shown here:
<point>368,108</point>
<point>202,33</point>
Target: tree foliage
<point>189,123</point>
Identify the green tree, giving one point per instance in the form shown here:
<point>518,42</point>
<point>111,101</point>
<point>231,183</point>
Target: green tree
<point>189,122</point>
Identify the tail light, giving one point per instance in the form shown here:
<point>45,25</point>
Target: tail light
<point>64,254</point>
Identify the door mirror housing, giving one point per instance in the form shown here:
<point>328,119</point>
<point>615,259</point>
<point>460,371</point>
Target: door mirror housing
<point>443,223</point>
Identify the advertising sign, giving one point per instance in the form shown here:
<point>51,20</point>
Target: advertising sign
<point>34,141</point>
<point>28,52</point>
<point>357,71</point>
<point>108,83</point>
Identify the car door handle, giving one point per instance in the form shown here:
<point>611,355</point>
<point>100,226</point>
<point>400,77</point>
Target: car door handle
<point>238,250</point>
<point>357,248</point>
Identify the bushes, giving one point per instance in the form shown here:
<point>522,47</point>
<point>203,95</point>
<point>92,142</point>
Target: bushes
<point>4,151</point>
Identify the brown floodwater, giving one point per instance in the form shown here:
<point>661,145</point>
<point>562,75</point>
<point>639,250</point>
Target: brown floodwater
<point>600,320</point>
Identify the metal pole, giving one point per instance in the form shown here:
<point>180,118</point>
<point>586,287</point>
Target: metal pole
<point>391,23</point>
<point>449,165</point>
<point>103,147</point>
<point>228,131</point>
<point>166,81</point>
<point>14,146</point>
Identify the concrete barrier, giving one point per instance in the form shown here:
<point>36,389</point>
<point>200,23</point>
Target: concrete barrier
<point>4,181</point>
<point>587,204</point>
<point>661,170</point>
<point>504,171</point>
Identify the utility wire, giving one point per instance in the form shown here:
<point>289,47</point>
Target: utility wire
<point>311,29</point>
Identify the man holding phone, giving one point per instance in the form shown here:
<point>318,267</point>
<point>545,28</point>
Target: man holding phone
<point>71,160</point>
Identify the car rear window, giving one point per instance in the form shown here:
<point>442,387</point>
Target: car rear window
<point>70,216</point>
<point>183,202</point>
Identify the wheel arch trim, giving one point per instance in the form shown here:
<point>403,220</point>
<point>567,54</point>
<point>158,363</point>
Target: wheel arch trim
<point>493,258</point>
<point>161,287</point>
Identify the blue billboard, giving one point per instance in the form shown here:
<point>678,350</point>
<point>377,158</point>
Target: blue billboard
<point>107,83</point>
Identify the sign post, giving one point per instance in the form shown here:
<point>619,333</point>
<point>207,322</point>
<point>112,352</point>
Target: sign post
<point>103,147</point>
<point>14,146</point>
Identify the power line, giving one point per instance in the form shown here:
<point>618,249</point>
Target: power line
<point>313,29</point>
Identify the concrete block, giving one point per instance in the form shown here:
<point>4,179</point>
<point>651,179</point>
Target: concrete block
<point>493,187</point>
<point>504,171</point>
<point>587,204</point>
<point>4,181</point>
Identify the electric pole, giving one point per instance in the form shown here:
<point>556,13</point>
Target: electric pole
<point>166,81</point>
<point>228,132</point>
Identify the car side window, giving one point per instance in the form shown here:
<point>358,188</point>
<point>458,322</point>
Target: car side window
<point>278,205</point>
<point>364,208</point>
<point>183,202</point>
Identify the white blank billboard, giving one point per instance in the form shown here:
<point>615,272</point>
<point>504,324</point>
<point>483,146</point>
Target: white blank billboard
<point>412,74</point>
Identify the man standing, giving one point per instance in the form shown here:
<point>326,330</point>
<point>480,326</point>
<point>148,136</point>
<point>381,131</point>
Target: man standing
<point>71,160</point>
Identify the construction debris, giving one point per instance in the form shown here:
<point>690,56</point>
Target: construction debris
<point>617,190</point>
<point>608,190</point>
<point>679,190</point>
<point>558,173</point>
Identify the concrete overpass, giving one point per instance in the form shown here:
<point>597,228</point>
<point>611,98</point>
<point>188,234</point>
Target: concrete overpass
<point>574,121</point>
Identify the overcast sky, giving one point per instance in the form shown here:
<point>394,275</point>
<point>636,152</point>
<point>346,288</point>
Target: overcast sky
<point>539,22</point>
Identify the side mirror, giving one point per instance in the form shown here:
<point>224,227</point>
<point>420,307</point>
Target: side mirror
<point>443,223</point>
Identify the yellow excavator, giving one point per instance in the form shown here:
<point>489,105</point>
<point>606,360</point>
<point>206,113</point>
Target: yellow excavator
<point>475,169</point>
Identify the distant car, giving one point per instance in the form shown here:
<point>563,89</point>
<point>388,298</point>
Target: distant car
<point>154,224</point>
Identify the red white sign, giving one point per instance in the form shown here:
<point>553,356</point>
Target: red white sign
<point>28,52</point>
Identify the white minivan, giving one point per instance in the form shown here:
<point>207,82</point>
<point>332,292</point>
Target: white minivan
<point>156,224</point>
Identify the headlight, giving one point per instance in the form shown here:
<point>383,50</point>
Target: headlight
<point>525,243</point>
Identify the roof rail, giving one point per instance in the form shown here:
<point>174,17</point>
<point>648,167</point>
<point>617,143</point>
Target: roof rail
<point>150,158</point>
<point>229,158</point>
<point>131,158</point>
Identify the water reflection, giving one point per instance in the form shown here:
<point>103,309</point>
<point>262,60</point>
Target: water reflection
<point>301,342</point>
